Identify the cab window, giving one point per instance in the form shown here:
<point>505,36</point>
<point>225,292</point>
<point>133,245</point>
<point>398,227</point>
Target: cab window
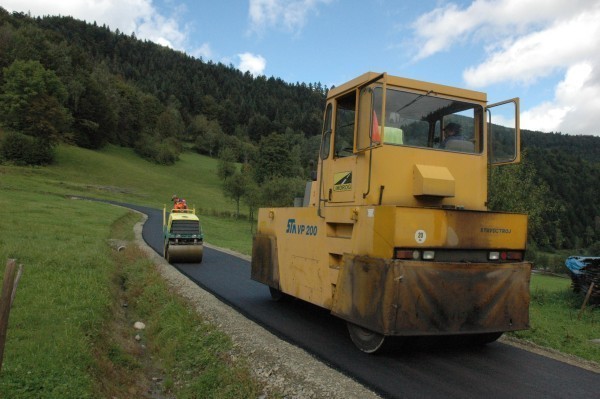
<point>426,120</point>
<point>326,139</point>
<point>344,125</point>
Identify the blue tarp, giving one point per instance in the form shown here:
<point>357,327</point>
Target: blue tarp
<point>585,271</point>
<point>577,263</point>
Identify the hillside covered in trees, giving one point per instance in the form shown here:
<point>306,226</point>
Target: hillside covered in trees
<point>64,80</point>
<point>570,167</point>
<point>94,86</point>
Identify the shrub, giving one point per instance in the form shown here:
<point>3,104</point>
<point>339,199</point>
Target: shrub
<point>164,152</point>
<point>23,150</point>
<point>594,249</point>
<point>281,191</point>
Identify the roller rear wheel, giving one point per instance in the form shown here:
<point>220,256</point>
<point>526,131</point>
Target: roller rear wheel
<point>485,338</point>
<point>276,295</point>
<point>366,340</point>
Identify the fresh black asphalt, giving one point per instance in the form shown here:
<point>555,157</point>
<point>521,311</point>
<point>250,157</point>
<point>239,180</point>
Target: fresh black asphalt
<point>424,369</point>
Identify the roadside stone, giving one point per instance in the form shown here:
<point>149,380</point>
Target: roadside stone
<point>138,325</point>
<point>138,337</point>
<point>595,341</point>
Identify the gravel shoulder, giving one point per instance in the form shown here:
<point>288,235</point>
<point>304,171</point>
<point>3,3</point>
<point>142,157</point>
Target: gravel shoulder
<point>282,367</point>
<point>279,365</point>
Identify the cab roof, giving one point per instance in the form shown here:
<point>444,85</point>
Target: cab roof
<point>412,84</point>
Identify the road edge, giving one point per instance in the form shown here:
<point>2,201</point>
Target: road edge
<point>276,363</point>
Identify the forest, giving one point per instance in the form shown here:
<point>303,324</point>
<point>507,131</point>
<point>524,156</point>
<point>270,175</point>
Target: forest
<point>67,81</point>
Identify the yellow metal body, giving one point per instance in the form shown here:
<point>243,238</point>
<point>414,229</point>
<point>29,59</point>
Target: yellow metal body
<point>374,197</point>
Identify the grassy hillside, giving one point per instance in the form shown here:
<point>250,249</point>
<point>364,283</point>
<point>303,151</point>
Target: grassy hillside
<point>117,173</point>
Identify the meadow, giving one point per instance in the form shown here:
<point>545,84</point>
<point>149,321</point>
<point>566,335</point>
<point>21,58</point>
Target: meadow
<point>69,333</point>
<point>557,321</point>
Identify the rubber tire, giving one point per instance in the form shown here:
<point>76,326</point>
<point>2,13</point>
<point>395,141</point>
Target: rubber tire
<point>366,340</point>
<point>485,338</point>
<point>276,295</point>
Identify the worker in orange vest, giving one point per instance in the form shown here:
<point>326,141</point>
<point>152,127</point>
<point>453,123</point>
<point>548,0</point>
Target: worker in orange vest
<point>178,203</point>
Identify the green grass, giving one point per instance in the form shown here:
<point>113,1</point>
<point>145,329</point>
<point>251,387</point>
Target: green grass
<point>64,294</point>
<point>555,322</point>
<point>194,356</point>
<point>69,336</point>
<point>119,173</point>
<point>549,283</point>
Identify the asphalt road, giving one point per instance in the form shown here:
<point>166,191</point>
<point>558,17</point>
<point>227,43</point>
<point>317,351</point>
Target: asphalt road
<point>424,369</point>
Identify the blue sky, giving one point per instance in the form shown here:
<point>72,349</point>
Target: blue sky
<point>547,52</point>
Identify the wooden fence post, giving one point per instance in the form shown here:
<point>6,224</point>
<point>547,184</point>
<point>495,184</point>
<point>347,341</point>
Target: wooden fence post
<point>585,301</point>
<point>5,302</point>
<point>16,284</point>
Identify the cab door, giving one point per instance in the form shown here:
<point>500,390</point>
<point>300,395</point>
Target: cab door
<point>354,131</point>
<point>504,135</point>
<point>339,168</point>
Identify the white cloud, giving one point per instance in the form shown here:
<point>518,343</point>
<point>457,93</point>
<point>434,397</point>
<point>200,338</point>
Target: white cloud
<point>203,51</point>
<point>545,117</point>
<point>255,64</point>
<point>539,53</point>
<point>575,104</point>
<point>129,16</point>
<point>580,90</point>
<point>527,40</point>
<point>289,15</point>
<point>439,29</point>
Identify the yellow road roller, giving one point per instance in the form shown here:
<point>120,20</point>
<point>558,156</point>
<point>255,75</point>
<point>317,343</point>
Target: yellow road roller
<point>394,235</point>
<point>183,237</point>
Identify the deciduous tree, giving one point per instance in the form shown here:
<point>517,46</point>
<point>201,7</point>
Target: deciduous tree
<point>31,101</point>
<point>276,158</point>
<point>517,188</point>
<point>226,166</point>
<point>235,188</point>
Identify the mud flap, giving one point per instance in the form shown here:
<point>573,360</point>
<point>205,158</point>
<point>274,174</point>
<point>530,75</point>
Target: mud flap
<point>264,266</point>
<point>428,298</point>
<point>366,293</point>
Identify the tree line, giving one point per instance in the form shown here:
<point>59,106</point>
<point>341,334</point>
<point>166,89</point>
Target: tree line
<point>90,86</point>
<point>65,80</point>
